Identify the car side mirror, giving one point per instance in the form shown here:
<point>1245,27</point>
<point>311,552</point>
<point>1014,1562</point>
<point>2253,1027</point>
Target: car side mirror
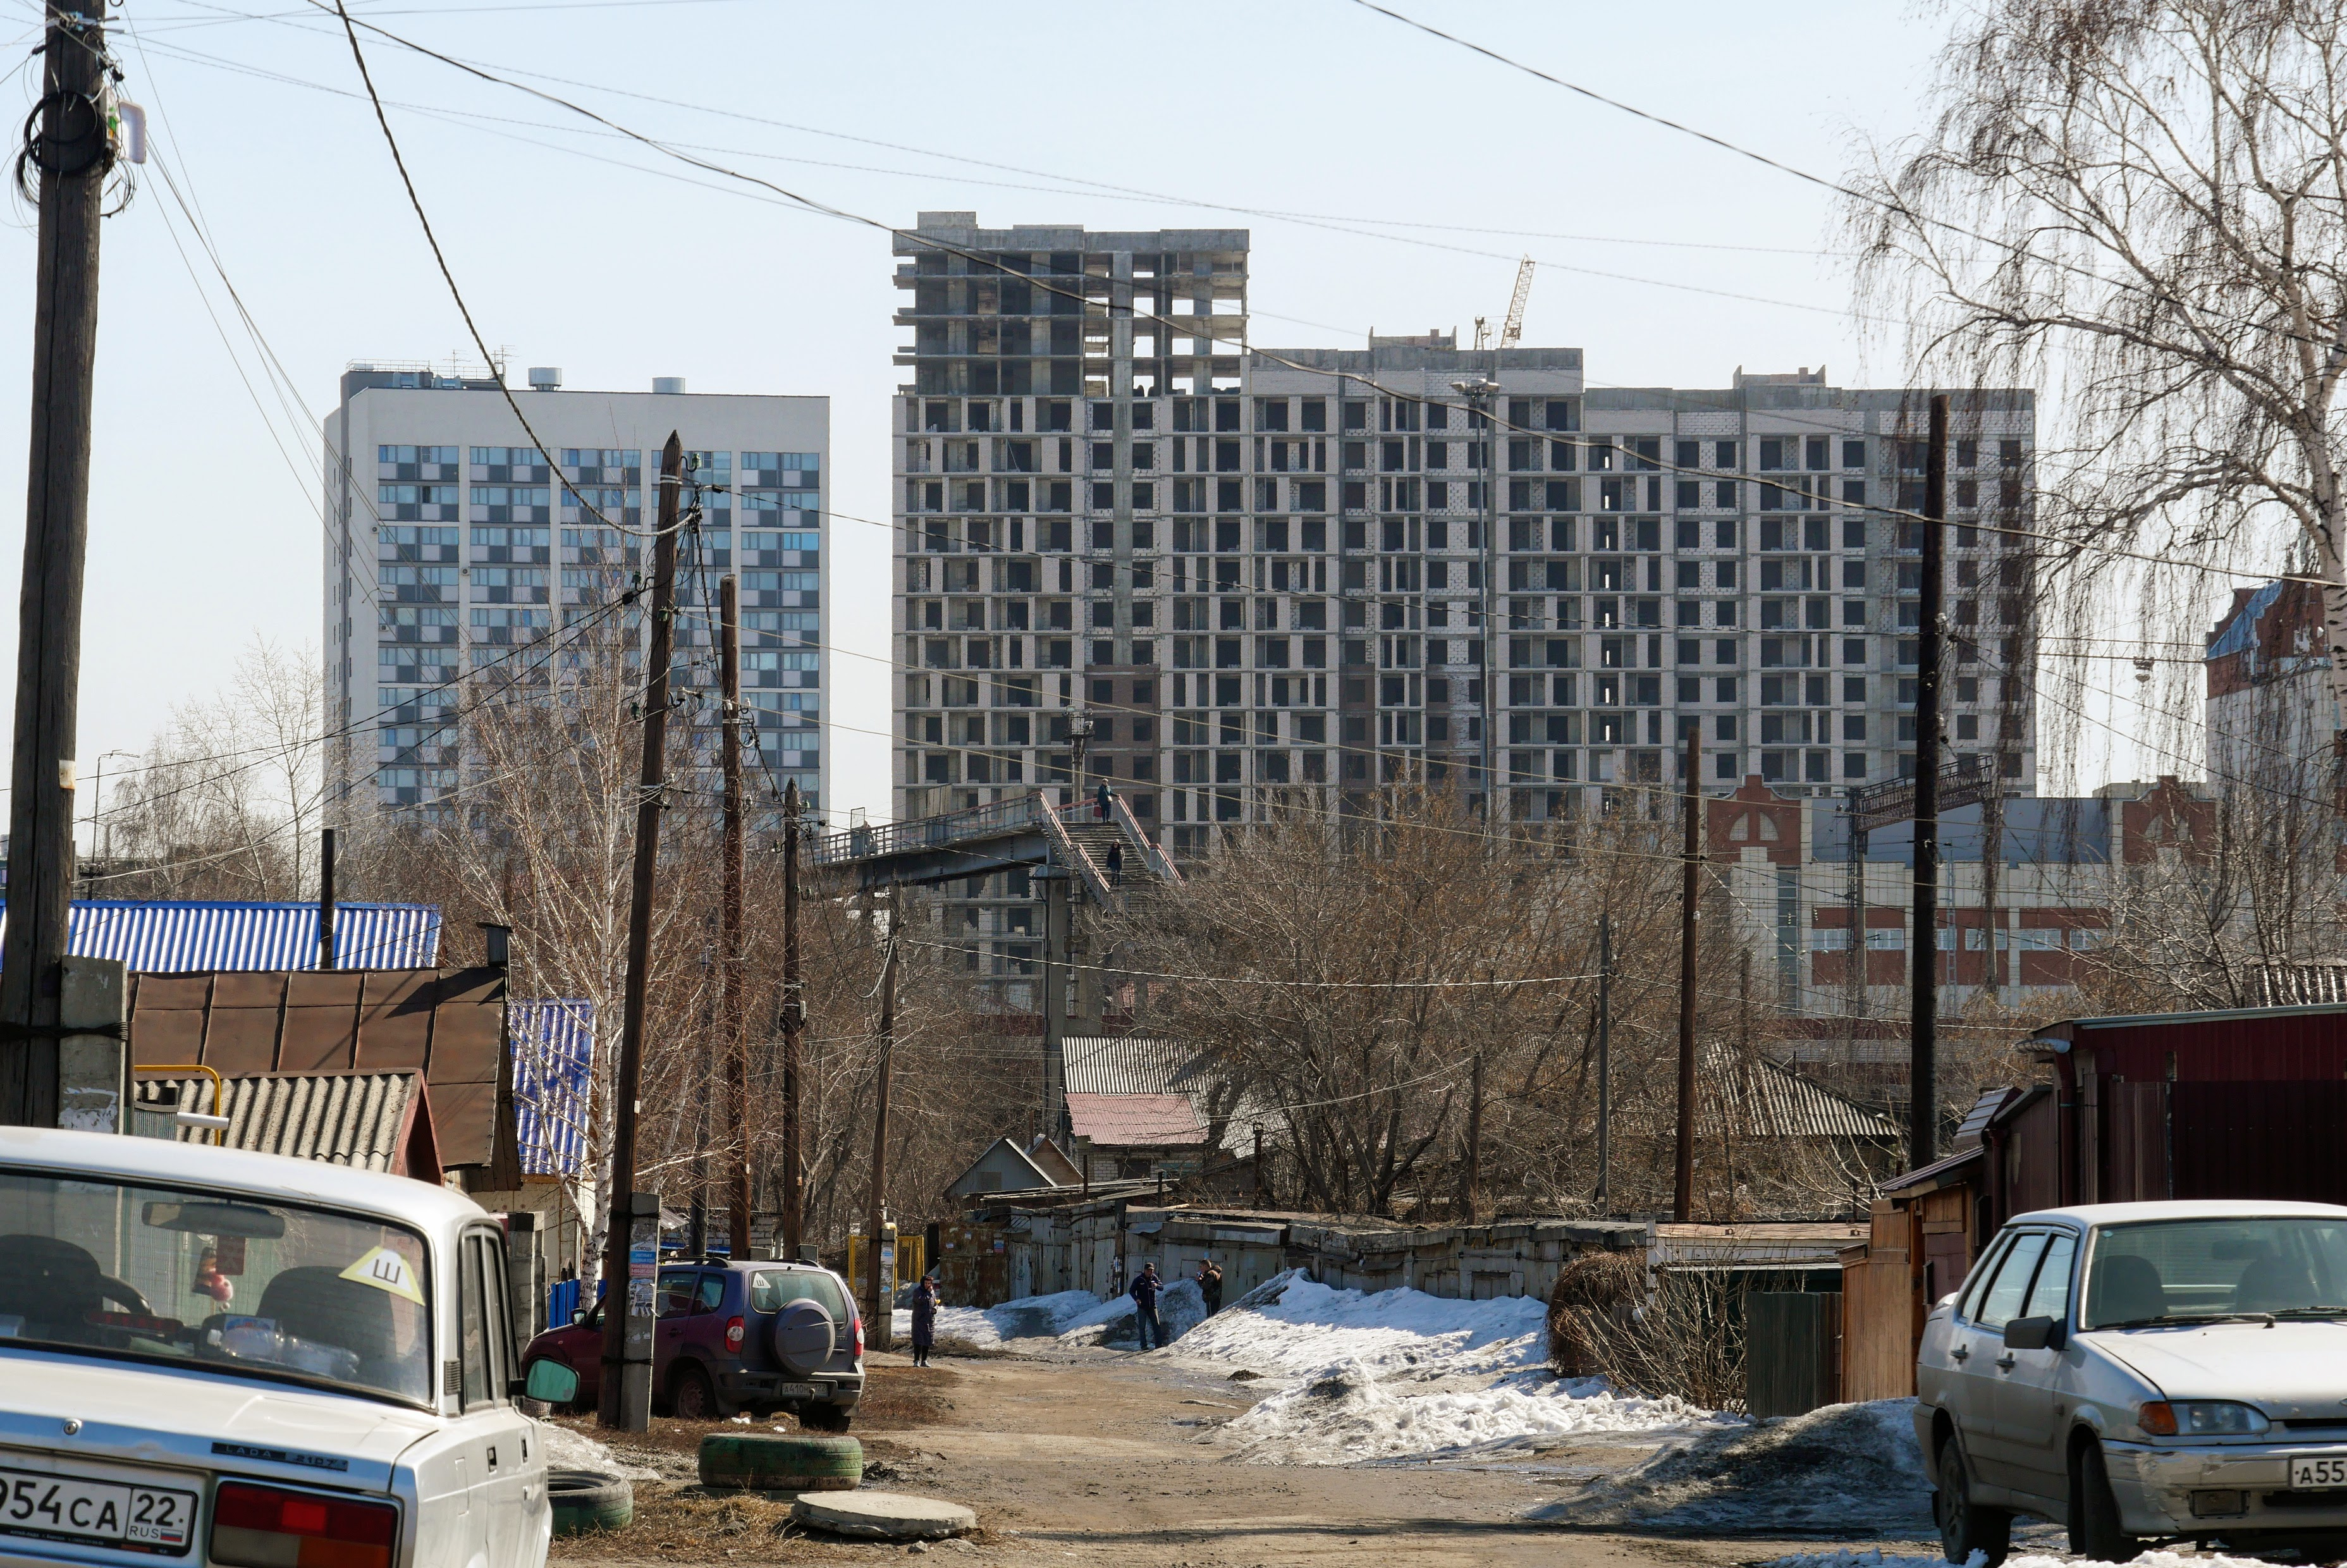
<point>577,1316</point>
<point>550,1381</point>
<point>2033,1333</point>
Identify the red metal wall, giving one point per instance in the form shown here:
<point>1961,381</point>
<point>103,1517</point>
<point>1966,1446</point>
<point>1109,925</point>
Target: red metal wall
<point>2247,1047</point>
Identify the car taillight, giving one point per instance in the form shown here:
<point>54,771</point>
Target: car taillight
<point>262,1527</point>
<point>858,1319</point>
<point>732,1333</point>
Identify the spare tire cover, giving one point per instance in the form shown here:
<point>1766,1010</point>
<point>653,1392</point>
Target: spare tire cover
<point>803,1336</point>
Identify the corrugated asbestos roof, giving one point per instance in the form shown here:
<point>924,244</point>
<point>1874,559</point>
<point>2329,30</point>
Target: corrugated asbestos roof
<point>173,936</point>
<point>361,1120</point>
<point>553,1056</point>
<point>1135,1120</point>
<point>1126,1064</point>
<point>1775,1101</point>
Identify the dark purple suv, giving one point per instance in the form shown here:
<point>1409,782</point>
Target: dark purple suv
<point>756,1336</point>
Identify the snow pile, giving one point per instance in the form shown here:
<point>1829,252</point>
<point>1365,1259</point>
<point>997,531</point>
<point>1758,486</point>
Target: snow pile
<point>567,1448</point>
<point>1871,1557</point>
<point>1028,1318</point>
<point>1836,1471</point>
<point>1345,1413</point>
<point>1180,1309</point>
<point>1290,1325</point>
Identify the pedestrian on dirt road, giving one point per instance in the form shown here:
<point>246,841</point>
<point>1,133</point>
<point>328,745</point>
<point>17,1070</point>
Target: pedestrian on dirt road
<point>1144,1305</point>
<point>1210,1285</point>
<point>924,1318</point>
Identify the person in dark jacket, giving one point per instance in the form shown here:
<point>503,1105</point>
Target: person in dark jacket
<point>1210,1285</point>
<point>924,1318</point>
<point>1144,1305</point>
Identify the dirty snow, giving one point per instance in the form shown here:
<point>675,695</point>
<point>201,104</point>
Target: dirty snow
<point>569,1449</point>
<point>1837,1471</point>
<point>1304,1327</point>
<point>1346,1413</point>
<point>1028,1318</point>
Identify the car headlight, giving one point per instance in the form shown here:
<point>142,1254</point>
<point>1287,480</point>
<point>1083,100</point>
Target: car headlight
<point>2202,1418</point>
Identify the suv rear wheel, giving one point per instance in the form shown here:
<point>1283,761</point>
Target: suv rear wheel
<point>690,1396</point>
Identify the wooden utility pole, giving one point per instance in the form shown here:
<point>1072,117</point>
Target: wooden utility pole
<point>878,1323</point>
<point>1604,1058</point>
<point>729,925</point>
<point>793,1022</point>
<point>326,900</point>
<point>1471,1194</point>
<point>1690,893</point>
<point>627,1384</point>
<point>69,152</point>
<point>1923,969</point>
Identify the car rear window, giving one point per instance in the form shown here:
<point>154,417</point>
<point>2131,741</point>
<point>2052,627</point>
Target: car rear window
<point>773,1290</point>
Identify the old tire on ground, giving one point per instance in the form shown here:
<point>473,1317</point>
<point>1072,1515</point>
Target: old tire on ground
<point>585,1499</point>
<point>826,1418</point>
<point>885,1516</point>
<point>1966,1526</point>
<point>781,1462</point>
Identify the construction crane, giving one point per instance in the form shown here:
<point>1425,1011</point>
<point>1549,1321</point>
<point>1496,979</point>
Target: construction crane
<point>1511,331</point>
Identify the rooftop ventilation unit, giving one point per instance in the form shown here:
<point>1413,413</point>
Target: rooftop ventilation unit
<point>545,377</point>
<point>668,386</point>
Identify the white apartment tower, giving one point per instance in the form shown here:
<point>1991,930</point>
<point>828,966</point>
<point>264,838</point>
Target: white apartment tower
<point>1321,569</point>
<point>454,546</point>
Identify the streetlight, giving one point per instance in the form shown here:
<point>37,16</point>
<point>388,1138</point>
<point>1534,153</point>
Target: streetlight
<point>1480,392</point>
<point>1080,730</point>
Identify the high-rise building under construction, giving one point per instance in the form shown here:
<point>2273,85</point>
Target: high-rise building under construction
<point>1257,576</point>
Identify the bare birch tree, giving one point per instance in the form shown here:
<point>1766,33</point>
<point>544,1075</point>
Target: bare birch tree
<point>2145,203</point>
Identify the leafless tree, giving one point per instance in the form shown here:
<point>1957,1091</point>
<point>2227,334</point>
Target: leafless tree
<point>225,802</point>
<point>1342,976</point>
<point>2142,205</point>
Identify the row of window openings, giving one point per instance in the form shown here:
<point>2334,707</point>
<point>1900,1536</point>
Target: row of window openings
<point>1272,535</point>
<point>1310,415</point>
<point>599,458</point>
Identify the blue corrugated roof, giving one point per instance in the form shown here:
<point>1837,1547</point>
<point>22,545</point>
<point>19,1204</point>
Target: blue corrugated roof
<point>553,1046</point>
<point>161,936</point>
<point>2240,634</point>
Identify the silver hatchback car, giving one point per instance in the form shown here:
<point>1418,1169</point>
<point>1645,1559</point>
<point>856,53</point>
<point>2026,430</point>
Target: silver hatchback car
<point>2143,1371</point>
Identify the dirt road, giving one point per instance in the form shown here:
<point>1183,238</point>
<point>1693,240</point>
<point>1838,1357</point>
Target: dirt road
<point>1095,1457</point>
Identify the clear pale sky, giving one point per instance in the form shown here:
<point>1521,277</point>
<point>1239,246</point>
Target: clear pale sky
<point>576,248</point>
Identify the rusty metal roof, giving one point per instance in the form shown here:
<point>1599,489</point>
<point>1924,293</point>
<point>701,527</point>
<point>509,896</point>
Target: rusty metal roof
<point>447,1024</point>
<point>366,1120</point>
<point>1773,1100</point>
<point>1135,1120</point>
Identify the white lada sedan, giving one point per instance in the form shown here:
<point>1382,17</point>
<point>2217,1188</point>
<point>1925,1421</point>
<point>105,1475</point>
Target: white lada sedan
<point>2143,1370</point>
<point>215,1358</point>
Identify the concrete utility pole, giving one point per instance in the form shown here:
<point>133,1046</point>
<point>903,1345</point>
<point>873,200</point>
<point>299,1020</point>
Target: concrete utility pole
<point>69,151</point>
<point>625,1397</point>
<point>729,925</point>
<point>1604,1058</point>
<point>326,900</point>
<point>794,1022</point>
<point>1057,919</point>
<point>1690,893</point>
<point>1923,969</point>
<point>878,1323</point>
